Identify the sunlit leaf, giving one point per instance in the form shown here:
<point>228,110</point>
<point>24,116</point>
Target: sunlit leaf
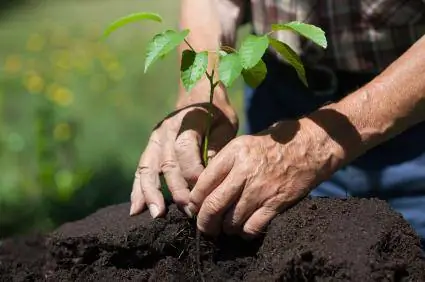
<point>255,76</point>
<point>163,43</point>
<point>291,57</point>
<point>193,66</point>
<point>229,69</point>
<point>135,17</point>
<point>314,33</point>
<point>252,50</point>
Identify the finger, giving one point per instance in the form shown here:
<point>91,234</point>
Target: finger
<point>216,171</point>
<point>149,178</point>
<point>259,220</point>
<point>188,155</point>
<point>235,219</point>
<point>220,136</point>
<point>137,199</point>
<point>169,166</point>
<point>210,216</point>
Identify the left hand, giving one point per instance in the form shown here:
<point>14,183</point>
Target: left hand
<point>254,178</point>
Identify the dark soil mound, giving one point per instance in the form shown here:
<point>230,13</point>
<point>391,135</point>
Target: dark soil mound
<point>317,240</point>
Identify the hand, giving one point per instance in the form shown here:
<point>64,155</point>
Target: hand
<point>174,150</point>
<point>253,178</point>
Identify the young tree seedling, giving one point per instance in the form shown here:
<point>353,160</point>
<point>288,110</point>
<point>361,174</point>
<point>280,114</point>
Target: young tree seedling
<point>230,63</point>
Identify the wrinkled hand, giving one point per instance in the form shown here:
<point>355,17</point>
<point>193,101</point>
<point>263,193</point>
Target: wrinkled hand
<point>174,150</point>
<point>253,178</point>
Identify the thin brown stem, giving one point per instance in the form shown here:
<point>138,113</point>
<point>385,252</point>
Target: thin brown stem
<point>188,44</point>
<point>209,120</point>
<point>204,157</point>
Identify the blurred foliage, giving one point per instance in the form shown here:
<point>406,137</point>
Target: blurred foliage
<point>76,112</point>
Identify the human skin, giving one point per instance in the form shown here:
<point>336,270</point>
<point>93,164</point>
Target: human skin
<point>253,178</point>
<point>174,145</point>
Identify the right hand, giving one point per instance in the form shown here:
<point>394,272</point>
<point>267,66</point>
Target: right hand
<point>174,150</point>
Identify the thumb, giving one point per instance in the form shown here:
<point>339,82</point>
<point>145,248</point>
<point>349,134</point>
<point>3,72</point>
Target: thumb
<point>219,137</point>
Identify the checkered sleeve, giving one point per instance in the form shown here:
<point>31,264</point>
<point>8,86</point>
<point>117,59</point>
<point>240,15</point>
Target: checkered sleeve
<point>231,14</point>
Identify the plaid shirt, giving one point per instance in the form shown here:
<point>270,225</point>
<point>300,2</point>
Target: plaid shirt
<point>363,35</point>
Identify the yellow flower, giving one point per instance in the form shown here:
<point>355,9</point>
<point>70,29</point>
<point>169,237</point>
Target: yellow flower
<point>51,89</point>
<point>13,64</point>
<point>64,181</point>
<point>62,132</point>
<point>82,61</point>
<point>35,42</point>
<point>63,96</point>
<point>61,59</point>
<point>34,83</point>
<point>116,72</point>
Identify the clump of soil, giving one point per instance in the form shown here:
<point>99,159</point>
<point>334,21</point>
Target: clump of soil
<point>317,240</point>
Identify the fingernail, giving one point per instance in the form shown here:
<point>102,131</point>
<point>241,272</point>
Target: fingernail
<point>192,209</point>
<point>188,211</point>
<point>132,209</point>
<point>154,210</point>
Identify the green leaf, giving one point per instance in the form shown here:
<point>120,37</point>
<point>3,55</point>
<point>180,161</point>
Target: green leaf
<point>252,50</point>
<point>314,33</point>
<point>255,76</point>
<point>163,43</point>
<point>135,17</point>
<point>291,57</point>
<point>229,69</point>
<point>193,66</point>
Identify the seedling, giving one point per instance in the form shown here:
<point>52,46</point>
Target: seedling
<point>230,63</point>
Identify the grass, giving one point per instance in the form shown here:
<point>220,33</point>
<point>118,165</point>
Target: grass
<point>76,112</point>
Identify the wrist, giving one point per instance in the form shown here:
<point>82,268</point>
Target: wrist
<point>307,146</point>
<point>329,152</point>
<point>200,94</point>
<point>344,130</point>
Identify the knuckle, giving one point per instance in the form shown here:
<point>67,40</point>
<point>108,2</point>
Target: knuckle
<point>168,165</point>
<point>182,144</point>
<point>191,176</point>
<point>211,205</point>
<point>141,171</point>
<point>180,197</point>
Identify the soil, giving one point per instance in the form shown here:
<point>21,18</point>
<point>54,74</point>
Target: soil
<point>317,240</point>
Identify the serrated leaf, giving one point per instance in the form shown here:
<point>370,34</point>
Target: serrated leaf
<point>255,75</point>
<point>252,50</point>
<point>229,69</point>
<point>135,17</point>
<point>291,57</point>
<point>193,66</point>
<point>311,32</point>
<point>162,43</point>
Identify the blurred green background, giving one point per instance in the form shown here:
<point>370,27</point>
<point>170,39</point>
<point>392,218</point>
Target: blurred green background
<point>76,112</point>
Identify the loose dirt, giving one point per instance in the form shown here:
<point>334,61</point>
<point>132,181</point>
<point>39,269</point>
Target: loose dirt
<point>317,240</point>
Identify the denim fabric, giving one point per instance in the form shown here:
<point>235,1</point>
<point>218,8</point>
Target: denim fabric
<point>394,171</point>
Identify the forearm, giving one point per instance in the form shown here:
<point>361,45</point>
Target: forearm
<point>207,32</point>
<point>390,104</point>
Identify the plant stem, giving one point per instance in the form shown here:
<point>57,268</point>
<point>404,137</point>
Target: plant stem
<point>205,159</point>
<point>210,117</point>
<point>204,156</point>
<point>190,46</point>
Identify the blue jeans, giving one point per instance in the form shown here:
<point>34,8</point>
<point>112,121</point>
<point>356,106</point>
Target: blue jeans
<point>394,171</point>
